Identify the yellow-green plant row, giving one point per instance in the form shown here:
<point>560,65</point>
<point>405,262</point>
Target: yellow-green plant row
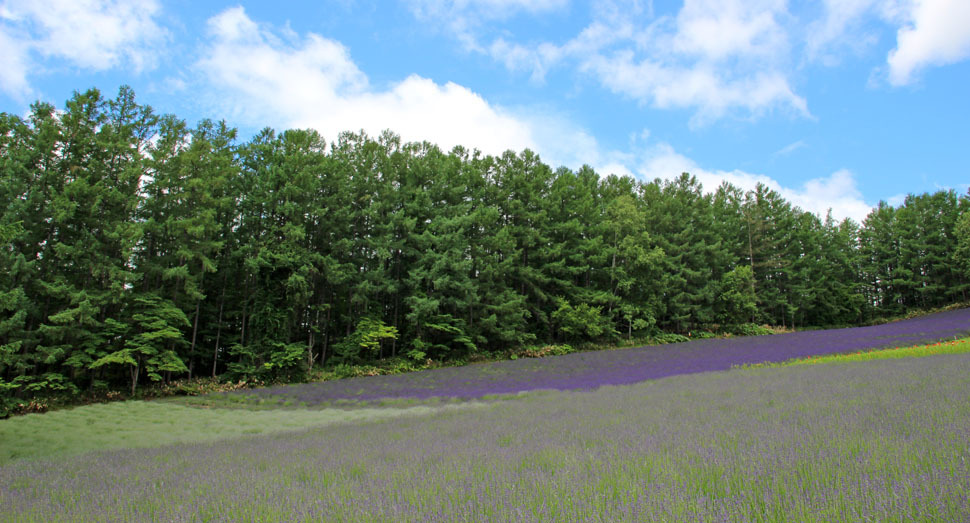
<point>959,346</point>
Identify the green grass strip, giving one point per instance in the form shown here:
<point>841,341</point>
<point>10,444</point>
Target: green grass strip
<point>960,346</point>
<point>142,424</point>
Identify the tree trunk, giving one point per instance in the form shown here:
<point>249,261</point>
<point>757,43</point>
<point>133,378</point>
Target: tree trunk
<point>309,349</point>
<point>195,331</point>
<point>326,332</point>
<point>215,353</point>
<point>242,331</point>
<point>134,378</point>
<point>751,259</point>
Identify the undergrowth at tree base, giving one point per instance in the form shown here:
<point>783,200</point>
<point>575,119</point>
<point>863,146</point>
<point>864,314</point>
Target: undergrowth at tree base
<point>401,365</point>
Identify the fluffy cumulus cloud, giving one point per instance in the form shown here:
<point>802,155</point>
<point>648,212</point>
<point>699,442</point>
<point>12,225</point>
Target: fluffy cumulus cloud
<point>702,86</point>
<point>91,34</point>
<point>837,192</point>
<point>312,81</point>
<point>714,56</point>
<point>309,81</point>
<point>928,33</point>
<point>937,32</point>
<point>716,30</point>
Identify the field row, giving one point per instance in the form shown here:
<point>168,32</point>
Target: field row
<point>589,370</point>
<point>873,441</point>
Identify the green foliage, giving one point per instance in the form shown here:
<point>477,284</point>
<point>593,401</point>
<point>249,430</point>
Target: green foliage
<point>416,355</point>
<point>702,335</point>
<point>746,329</point>
<point>135,245</point>
<point>285,359</point>
<point>153,345</point>
<point>669,337</point>
<point>546,350</point>
<point>10,231</point>
<point>366,341</point>
<point>737,296</point>
<point>7,401</point>
<point>582,322</point>
<point>962,252</point>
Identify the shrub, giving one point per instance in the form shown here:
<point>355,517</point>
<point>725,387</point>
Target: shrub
<point>546,350</point>
<point>702,335</point>
<point>365,342</point>
<point>582,321</point>
<point>669,337</point>
<point>747,329</point>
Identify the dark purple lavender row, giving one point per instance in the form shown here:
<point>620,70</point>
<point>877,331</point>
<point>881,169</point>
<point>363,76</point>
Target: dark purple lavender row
<point>588,370</point>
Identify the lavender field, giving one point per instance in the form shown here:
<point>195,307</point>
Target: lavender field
<point>670,433</point>
<point>874,441</point>
<point>588,370</point>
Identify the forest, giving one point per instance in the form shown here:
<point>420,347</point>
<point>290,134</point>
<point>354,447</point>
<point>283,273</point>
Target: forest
<point>136,248</point>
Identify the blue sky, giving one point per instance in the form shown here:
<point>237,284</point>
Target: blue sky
<point>836,104</point>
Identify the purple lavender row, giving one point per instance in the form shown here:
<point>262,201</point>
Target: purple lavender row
<point>590,370</point>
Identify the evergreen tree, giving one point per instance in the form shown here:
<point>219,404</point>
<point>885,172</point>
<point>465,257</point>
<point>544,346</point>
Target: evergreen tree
<point>682,219</point>
<point>770,223</point>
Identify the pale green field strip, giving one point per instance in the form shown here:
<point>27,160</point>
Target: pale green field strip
<point>960,346</point>
<point>141,424</point>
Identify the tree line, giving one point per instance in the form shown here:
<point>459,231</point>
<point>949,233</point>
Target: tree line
<point>137,248</point>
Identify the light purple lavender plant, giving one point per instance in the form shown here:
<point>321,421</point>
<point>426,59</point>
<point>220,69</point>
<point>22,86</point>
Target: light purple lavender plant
<point>874,441</point>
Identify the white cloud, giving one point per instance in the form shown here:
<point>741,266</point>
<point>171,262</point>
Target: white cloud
<point>257,62</point>
<point>312,82</point>
<point>929,33</point>
<point>837,191</point>
<point>92,34</point>
<point>840,26</point>
<point>13,66</point>
<point>540,58</point>
<point>721,29</point>
<point>516,57</point>
<point>896,200</point>
<point>711,90</point>
<point>490,8</point>
<point>464,17</point>
<point>715,57</point>
<point>936,34</point>
<point>790,148</point>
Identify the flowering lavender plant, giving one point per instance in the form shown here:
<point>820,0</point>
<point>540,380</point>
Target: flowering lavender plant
<point>589,370</point>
